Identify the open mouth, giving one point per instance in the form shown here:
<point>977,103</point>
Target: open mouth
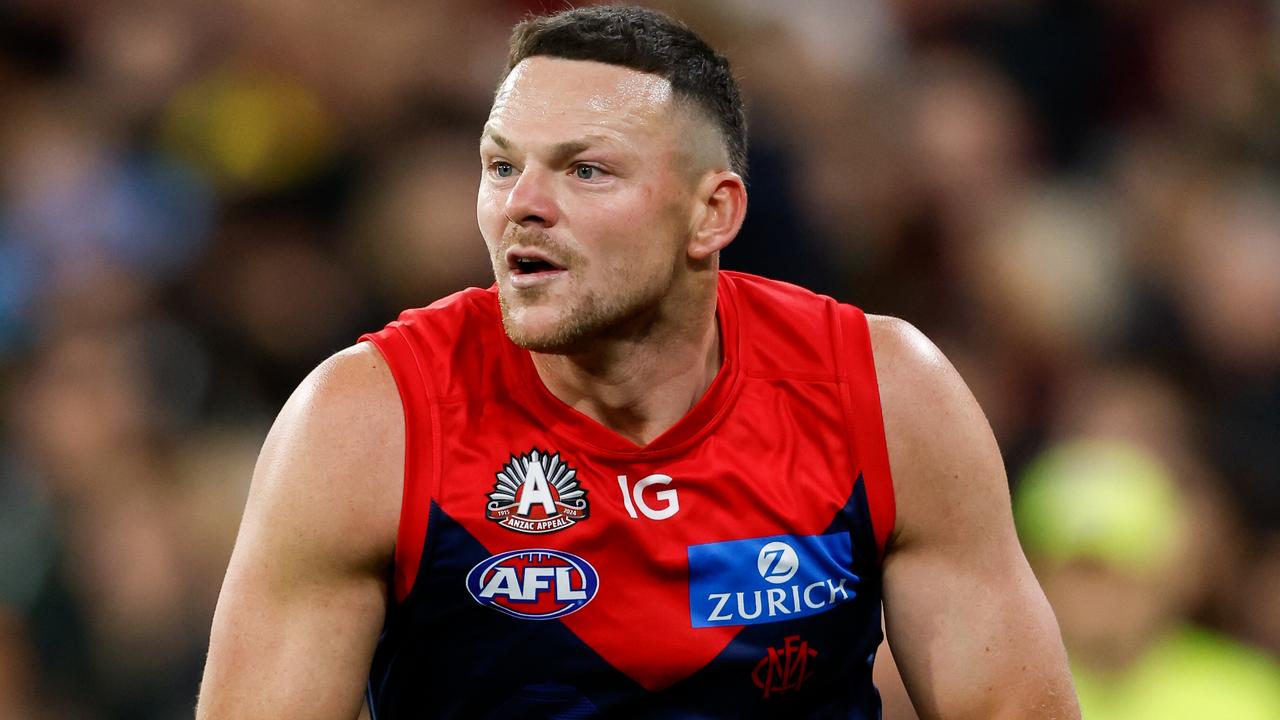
<point>530,262</point>
<point>527,266</point>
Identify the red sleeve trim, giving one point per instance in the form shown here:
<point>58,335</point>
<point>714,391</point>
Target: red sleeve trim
<point>421,418</point>
<point>866,420</point>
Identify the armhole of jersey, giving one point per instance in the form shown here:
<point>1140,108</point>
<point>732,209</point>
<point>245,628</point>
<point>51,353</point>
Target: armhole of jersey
<point>866,420</point>
<point>421,420</point>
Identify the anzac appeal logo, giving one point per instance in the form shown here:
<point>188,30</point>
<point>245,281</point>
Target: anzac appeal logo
<point>537,493</point>
<point>533,584</point>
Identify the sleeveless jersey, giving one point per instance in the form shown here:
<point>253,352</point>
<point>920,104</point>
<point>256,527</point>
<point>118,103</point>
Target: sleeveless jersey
<point>546,567</point>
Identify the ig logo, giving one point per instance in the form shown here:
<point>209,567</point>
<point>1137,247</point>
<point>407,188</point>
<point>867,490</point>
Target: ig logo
<point>777,562</point>
<point>670,501</point>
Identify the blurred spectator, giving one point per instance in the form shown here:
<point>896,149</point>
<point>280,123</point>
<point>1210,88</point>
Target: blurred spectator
<point>414,230</point>
<point>1114,542</point>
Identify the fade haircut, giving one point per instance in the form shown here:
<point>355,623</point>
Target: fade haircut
<point>648,41</point>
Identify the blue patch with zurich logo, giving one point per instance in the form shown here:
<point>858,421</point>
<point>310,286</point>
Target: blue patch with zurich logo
<point>769,579</point>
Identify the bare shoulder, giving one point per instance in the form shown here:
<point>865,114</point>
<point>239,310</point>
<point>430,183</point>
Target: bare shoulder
<point>305,591</point>
<point>354,381</point>
<point>331,468</point>
<point>942,455</point>
<point>908,365</point>
<point>971,631</point>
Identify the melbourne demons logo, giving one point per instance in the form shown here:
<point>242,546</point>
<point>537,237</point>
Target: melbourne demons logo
<point>537,493</point>
<point>534,584</point>
<point>785,668</point>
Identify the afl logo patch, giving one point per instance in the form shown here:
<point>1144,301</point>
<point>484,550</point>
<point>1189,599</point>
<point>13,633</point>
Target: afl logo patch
<point>534,584</point>
<point>537,493</point>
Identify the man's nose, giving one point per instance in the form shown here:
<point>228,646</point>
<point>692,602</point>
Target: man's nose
<point>532,199</point>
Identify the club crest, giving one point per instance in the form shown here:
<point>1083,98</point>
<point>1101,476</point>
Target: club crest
<point>537,493</point>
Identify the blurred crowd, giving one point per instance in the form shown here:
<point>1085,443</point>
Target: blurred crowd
<point>1079,201</point>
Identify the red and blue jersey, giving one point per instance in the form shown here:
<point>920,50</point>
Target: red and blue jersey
<point>547,567</point>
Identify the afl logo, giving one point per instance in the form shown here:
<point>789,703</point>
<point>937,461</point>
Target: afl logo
<point>534,584</point>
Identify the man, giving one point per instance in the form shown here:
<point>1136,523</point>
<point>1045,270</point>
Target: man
<point>663,491</point>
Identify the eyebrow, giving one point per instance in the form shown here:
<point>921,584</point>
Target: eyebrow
<point>496,138</point>
<point>560,151</point>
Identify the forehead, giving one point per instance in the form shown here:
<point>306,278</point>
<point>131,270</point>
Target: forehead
<point>557,96</point>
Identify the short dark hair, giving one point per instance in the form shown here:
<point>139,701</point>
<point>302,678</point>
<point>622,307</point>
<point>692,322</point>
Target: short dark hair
<point>648,41</point>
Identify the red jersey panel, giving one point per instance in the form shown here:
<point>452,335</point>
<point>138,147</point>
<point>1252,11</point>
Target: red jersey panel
<point>546,566</point>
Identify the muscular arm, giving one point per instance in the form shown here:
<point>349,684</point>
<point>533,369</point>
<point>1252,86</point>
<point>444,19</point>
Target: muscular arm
<point>304,595</point>
<point>970,629</point>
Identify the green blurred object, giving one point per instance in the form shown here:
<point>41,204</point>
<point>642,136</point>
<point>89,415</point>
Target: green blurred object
<point>1191,674</point>
<point>1100,499</point>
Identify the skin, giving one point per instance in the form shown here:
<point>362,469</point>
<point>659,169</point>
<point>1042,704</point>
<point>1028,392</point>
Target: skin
<point>305,592</point>
<point>970,628</point>
<point>626,334</point>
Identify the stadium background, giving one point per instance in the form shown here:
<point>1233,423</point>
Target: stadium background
<point>1079,201</point>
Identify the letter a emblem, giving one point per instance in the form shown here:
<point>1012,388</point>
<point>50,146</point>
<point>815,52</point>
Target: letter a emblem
<point>535,490</point>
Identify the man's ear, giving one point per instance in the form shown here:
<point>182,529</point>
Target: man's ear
<point>722,206</point>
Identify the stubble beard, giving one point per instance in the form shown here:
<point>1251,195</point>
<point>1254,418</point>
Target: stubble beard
<point>625,307</point>
<point>584,320</point>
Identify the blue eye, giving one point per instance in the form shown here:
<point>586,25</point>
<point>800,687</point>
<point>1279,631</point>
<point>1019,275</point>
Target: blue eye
<point>585,172</point>
<point>503,169</point>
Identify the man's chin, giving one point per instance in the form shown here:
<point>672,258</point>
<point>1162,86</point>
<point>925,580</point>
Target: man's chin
<point>560,328</point>
<point>547,343</point>
<point>536,334</point>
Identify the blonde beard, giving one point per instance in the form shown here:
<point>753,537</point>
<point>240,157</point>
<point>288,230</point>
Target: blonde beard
<point>589,319</point>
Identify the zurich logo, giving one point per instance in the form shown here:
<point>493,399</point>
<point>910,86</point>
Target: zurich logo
<point>793,576</point>
<point>777,562</point>
<point>534,584</point>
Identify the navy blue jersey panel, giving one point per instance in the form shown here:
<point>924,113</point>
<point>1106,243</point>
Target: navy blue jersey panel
<point>821,664</point>
<point>445,655</point>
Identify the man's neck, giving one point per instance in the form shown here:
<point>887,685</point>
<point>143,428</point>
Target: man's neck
<point>640,387</point>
